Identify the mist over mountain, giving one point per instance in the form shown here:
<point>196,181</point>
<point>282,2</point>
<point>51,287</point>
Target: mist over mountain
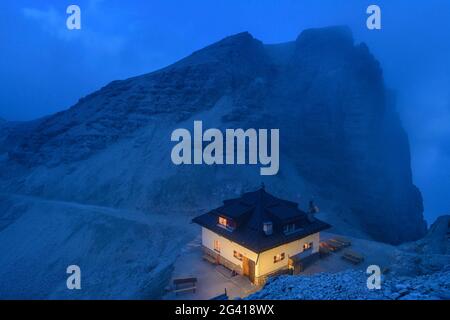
<point>341,141</point>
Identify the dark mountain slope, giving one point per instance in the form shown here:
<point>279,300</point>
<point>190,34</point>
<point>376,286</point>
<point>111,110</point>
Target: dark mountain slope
<point>341,139</point>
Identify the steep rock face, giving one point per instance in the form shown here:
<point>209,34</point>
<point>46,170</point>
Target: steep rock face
<point>437,239</point>
<point>346,132</point>
<point>341,139</point>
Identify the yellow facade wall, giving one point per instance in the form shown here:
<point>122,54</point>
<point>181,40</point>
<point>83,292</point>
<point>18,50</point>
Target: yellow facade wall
<point>264,262</point>
<point>226,247</point>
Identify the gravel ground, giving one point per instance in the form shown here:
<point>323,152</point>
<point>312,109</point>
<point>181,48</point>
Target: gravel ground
<point>351,285</point>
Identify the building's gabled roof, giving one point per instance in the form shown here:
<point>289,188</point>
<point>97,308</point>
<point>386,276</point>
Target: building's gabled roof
<point>233,209</point>
<point>251,211</point>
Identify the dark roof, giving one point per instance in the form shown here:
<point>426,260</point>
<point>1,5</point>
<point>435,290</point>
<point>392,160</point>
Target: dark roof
<point>251,211</point>
<point>233,209</point>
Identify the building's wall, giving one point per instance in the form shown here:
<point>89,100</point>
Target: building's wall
<point>266,265</point>
<point>226,247</point>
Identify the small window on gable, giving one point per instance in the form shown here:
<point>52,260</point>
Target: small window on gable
<point>228,224</point>
<point>223,221</point>
<point>279,257</point>
<point>307,246</point>
<point>237,255</point>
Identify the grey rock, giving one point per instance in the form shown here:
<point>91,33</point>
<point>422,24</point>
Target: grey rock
<point>330,286</point>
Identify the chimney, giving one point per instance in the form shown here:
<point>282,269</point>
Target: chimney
<point>313,209</point>
<point>268,228</point>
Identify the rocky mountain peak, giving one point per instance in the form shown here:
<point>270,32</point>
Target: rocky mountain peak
<point>340,135</point>
<point>323,38</point>
<point>238,39</point>
<point>241,53</point>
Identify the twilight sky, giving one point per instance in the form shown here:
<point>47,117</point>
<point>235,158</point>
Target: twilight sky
<point>45,68</point>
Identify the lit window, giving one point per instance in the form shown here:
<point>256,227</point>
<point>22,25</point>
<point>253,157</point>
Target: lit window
<point>278,257</point>
<point>307,246</point>
<point>217,245</point>
<point>222,221</point>
<point>237,255</point>
<point>225,223</point>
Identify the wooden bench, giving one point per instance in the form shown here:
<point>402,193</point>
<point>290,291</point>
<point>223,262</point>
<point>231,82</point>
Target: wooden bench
<point>185,284</point>
<point>344,241</point>
<point>331,246</point>
<point>226,272</point>
<point>353,257</point>
<point>210,258</point>
<point>338,243</point>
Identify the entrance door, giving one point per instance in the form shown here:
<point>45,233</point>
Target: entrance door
<point>248,268</point>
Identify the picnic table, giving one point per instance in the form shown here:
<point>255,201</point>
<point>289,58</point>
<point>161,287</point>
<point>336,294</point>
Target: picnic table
<point>353,257</point>
<point>185,284</point>
<point>332,246</point>
<point>344,241</point>
<point>339,242</point>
